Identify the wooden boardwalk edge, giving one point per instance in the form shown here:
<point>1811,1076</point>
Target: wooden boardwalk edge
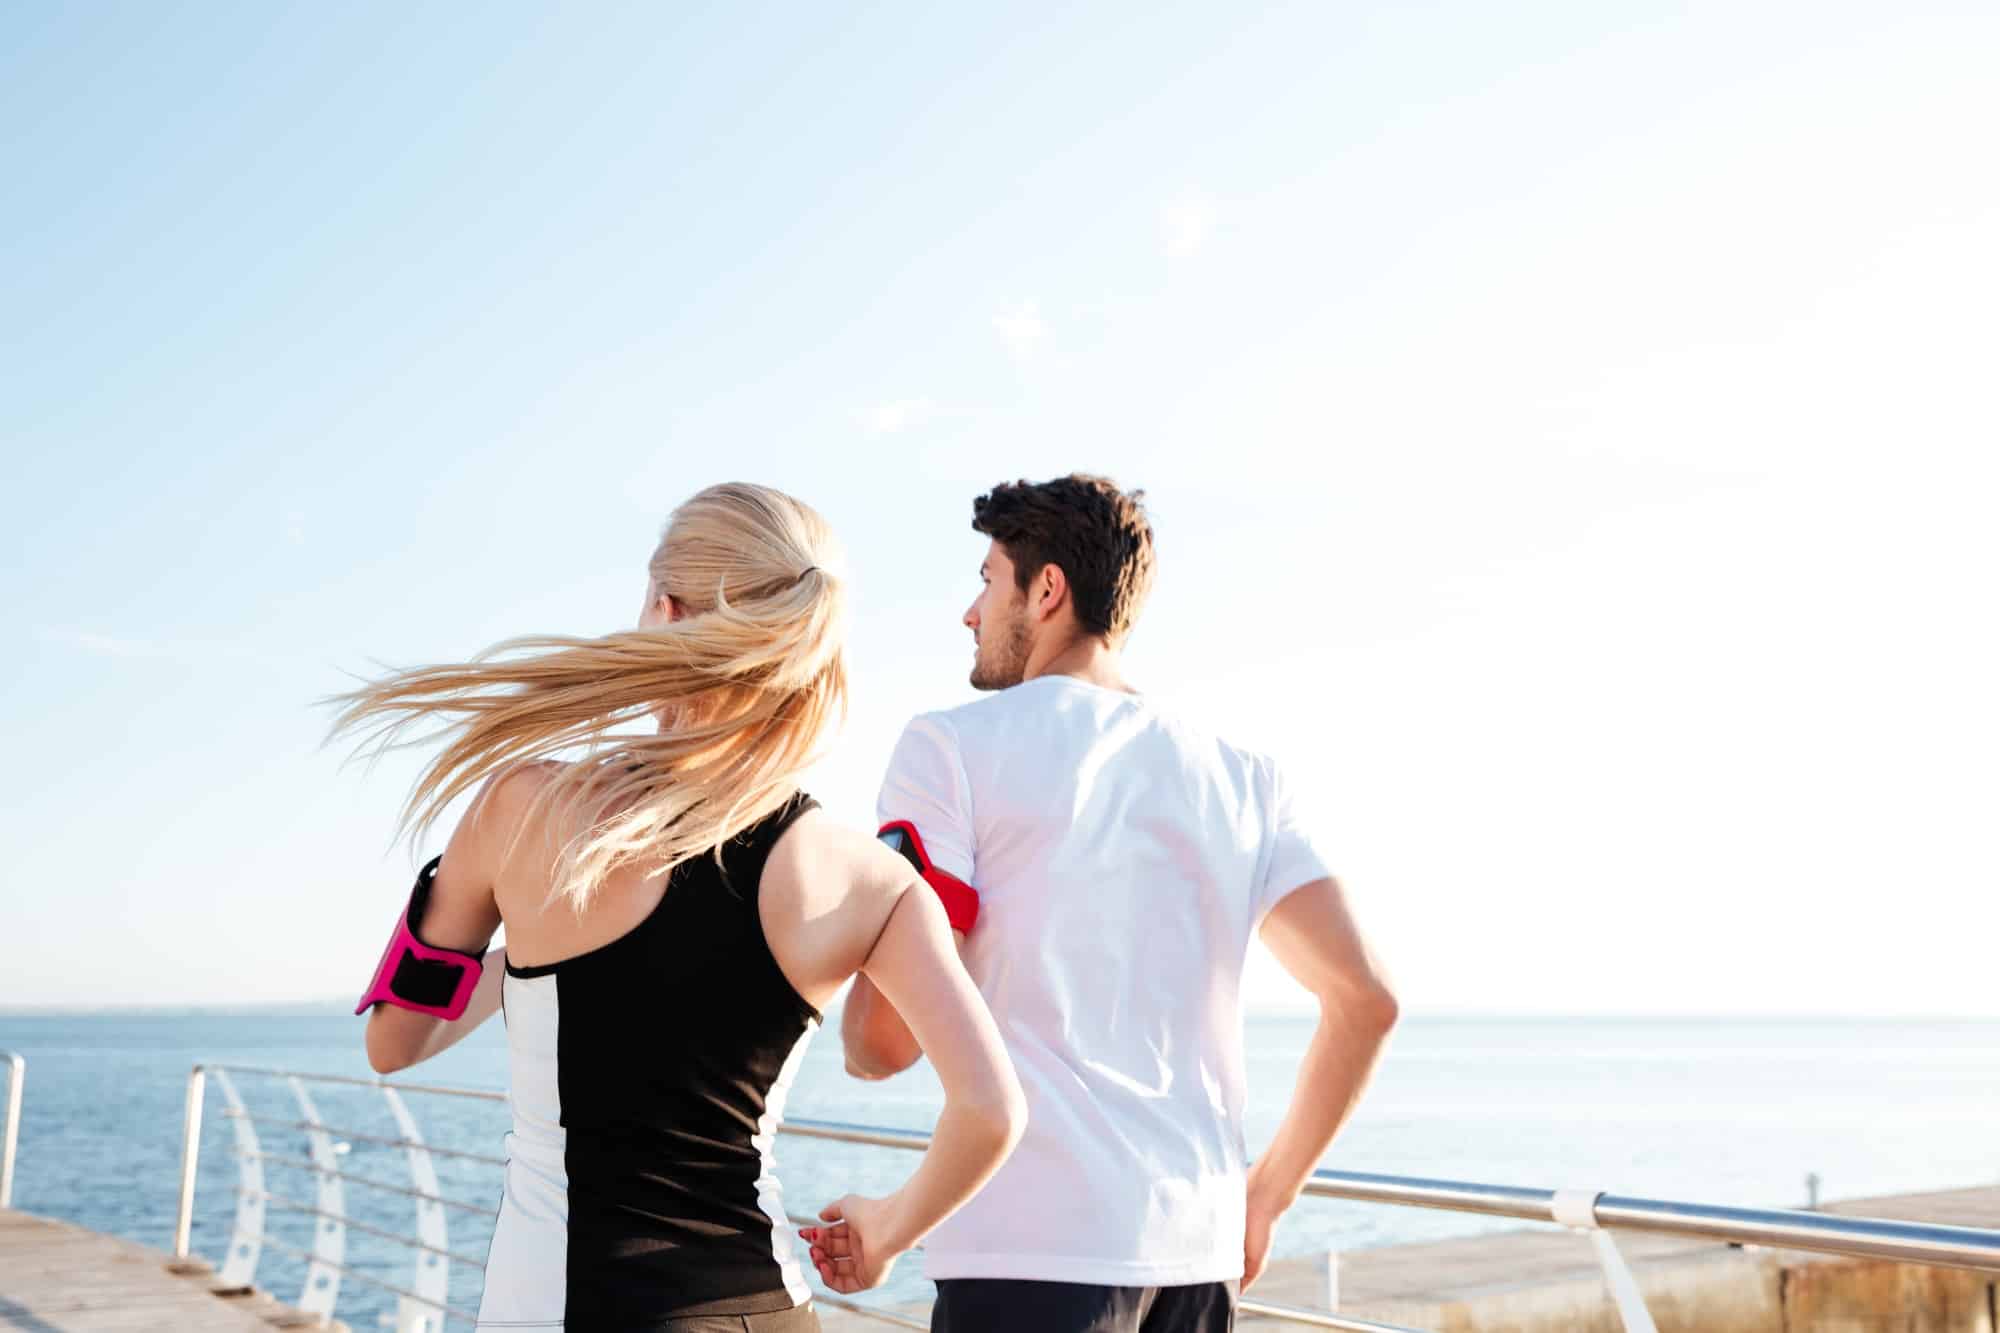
<point>59,1278</point>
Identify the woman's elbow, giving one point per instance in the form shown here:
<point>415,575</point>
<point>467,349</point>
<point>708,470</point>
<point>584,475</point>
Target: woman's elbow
<point>990,1121</point>
<point>384,1063</point>
<point>1004,1117</point>
<point>383,1057</point>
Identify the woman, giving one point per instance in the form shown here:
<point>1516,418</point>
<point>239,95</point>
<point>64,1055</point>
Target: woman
<point>677,916</point>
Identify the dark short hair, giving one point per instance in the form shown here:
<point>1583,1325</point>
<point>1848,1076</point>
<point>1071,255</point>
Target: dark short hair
<point>1095,533</point>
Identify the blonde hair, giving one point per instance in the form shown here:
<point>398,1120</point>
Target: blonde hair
<point>748,680</point>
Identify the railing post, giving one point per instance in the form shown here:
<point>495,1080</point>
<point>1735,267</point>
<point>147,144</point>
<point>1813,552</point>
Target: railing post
<point>190,1160</point>
<point>10,1139</point>
<point>431,1278</point>
<point>1577,1209</point>
<point>329,1248</point>
<point>246,1233</point>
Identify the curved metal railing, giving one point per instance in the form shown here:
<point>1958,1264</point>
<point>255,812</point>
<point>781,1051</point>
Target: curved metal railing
<point>423,1301</point>
<point>10,1131</point>
<point>424,1305</point>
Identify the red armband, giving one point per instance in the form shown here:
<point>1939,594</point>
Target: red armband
<point>961,900</point>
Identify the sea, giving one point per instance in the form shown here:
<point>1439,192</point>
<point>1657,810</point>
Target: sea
<point>1722,1110</point>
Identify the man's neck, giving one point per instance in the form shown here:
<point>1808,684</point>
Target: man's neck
<point>1090,660</point>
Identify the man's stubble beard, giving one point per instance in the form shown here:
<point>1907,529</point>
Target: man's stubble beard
<point>1012,667</point>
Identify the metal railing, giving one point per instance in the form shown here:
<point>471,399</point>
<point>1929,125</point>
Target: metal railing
<point>1926,1243</point>
<point>10,1134</point>
<point>1931,1244</point>
<point>423,1305</point>
<point>426,1307</point>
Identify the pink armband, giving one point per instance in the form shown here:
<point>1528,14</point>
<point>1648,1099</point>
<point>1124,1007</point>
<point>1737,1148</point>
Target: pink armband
<point>961,900</point>
<point>418,976</point>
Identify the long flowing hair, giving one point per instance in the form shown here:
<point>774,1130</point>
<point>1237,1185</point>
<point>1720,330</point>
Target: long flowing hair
<point>747,682</point>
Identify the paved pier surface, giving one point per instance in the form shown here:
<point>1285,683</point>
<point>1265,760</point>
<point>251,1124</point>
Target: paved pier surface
<point>57,1278</point>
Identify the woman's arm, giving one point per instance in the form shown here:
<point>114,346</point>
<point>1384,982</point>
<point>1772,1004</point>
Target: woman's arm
<point>915,965</point>
<point>874,1039</point>
<point>399,1038</point>
<point>462,914</point>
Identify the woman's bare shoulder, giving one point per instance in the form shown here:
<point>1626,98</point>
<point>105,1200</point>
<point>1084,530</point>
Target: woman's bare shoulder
<point>515,788</point>
<point>828,890</point>
<point>493,829</point>
<point>825,859</point>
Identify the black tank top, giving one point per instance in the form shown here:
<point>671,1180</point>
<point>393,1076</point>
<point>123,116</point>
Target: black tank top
<point>675,1046</point>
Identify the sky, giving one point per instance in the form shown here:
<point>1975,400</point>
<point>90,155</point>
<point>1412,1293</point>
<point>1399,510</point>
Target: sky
<point>1569,431</point>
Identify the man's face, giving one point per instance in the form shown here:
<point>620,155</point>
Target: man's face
<point>998,619</point>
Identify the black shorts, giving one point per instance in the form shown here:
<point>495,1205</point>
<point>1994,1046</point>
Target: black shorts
<point>1013,1305</point>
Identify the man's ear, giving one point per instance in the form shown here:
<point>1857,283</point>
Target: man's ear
<point>1048,593</point>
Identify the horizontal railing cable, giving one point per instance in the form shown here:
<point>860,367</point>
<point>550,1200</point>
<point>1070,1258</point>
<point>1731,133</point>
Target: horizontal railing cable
<point>367,1182</point>
<point>873,1135</point>
<point>430,1089</point>
<point>1928,1243</point>
<point>451,1311</point>
<point>1529,1205</point>
<point>281,1123</point>
<point>295,1206</point>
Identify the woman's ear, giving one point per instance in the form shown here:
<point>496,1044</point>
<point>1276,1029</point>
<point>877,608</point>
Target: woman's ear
<point>660,608</point>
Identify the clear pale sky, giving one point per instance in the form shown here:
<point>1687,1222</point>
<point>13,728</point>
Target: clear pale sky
<point>1570,431</point>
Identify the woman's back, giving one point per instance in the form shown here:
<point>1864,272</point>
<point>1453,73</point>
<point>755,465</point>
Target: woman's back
<point>648,1078</point>
<point>675,917</point>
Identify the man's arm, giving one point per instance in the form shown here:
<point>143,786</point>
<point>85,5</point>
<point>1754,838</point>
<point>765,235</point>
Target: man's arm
<point>1315,939</point>
<point>876,1040</point>
<point>926,787</point>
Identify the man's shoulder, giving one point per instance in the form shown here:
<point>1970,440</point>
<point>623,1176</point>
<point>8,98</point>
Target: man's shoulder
<point>996,720</point>
<point>987,711</point>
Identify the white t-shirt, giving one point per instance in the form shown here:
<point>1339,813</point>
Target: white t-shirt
<point>1123,861</point>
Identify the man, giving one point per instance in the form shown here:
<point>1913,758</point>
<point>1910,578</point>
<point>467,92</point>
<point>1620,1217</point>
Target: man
<point>1121,860</point>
